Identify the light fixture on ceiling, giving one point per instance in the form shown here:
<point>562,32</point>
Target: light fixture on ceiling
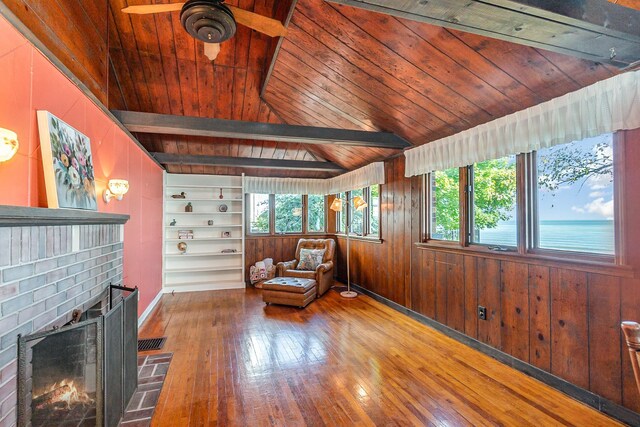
<point>358,204</point>
<point>116,188</point>
<point>8,144</point>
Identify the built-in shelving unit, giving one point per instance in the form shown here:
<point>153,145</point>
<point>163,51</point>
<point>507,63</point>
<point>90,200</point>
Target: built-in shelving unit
<point>203,266</point>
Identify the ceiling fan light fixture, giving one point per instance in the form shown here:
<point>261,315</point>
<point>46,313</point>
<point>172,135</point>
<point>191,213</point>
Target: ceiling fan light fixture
<point>208,20</point>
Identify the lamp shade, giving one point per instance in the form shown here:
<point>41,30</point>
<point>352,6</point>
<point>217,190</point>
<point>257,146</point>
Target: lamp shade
<point>359,203</point>
<point>118,187</point>
<point>336,205</point>
<point>8,144</point>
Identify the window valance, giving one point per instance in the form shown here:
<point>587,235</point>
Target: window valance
<point>606,106</point>
<point>368,175</point>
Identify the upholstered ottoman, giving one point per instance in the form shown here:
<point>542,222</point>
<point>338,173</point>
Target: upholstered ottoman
<point>289,291</point>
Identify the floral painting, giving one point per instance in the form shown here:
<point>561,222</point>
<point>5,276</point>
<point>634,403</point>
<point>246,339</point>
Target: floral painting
<point>68,166</point>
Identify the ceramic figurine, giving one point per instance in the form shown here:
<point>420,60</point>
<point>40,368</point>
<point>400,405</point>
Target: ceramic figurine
<point>179,196</point>
<point>189,207</point>
<point>173,223</point>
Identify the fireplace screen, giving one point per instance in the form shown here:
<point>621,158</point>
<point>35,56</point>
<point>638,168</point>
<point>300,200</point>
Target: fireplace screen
<point>61,376</point>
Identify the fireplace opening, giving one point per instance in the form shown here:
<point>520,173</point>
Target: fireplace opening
<point>64,376</point>
<point>64,372</point>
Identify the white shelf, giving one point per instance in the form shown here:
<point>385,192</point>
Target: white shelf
<point>204,266</point>
<point>201,269</point>
<point>202,213</point>
<point>186,227</point>
<point>224,187</point>
<point>203,239</point>
<point>188,199</point>
<point>204,254</point>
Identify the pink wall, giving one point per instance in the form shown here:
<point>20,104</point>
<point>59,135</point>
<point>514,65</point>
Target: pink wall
<point>29,82</point>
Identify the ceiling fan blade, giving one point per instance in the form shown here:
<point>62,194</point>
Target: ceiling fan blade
<point>211,50</point>
<point>144,9</point>
<point>268,26</point>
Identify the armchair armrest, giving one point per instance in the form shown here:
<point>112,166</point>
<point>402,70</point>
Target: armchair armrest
<point>281,267</point>
<point>324,267</point>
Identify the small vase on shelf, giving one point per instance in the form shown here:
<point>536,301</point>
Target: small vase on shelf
<point>189,207</point>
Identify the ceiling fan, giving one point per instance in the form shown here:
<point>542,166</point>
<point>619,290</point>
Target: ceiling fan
<point>212,21</point>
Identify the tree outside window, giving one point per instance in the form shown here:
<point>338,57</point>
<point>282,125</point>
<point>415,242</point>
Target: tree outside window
<point>288,213</point>
<point>315,214</point>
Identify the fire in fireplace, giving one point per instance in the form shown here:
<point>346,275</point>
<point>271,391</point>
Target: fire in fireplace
<point>64,378</point>
<point>64,374</point>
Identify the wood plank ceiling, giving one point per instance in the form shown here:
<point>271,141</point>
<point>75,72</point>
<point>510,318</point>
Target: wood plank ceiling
<point>339,67</point>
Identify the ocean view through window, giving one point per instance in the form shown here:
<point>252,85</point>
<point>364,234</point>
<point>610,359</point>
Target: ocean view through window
<point>575,189</point>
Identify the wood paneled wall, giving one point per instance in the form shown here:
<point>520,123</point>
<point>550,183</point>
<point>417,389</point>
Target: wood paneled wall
<point>559,317</point>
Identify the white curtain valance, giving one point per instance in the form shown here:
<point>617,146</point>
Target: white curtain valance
<point>606,106</point>
<point>368,175</point>
<point>365,176</point>
<point>283,185</point>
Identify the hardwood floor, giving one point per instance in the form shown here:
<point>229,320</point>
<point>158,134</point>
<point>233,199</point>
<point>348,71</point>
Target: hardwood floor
<point>337,362</point>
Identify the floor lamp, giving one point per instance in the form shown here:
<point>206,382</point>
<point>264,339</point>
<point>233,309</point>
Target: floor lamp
<point>358,204</point>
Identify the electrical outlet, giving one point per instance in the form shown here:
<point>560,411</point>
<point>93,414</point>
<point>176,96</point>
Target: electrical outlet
<point>482,312</point>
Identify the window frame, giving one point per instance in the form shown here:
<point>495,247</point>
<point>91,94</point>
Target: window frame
<point>463,202</point>
<point>470,199</point>
<point>526,214</point>
<point>366,218</point>
<point>270,209</point>
<point>302,215</point>
<point>272,218</point>
<point>533,241</point>
<point>305,212</point>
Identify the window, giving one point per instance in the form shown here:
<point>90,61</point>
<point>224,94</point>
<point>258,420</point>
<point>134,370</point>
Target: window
<point>366,222</point>
<point>374,210</point>
<point>285,214</point>
<point>357,221</point>
<point>445,204</point>
<point>494,214</point>
<point>288,213</point>
<point>574,197</point>
<point>341,217</point>
<point>259,213</point>
<point>567,195</point>
<point>315,213</point>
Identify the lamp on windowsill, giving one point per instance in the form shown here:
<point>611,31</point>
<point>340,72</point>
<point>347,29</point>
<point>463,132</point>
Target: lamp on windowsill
<point>358,204</point>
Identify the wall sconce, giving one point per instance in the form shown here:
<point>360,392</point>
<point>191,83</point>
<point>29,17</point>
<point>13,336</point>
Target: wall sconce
<point>117,188</point>
<point>8,144</point>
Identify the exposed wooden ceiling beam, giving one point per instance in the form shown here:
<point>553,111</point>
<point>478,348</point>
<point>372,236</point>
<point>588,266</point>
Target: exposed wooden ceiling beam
<point>591,29</point>
<point>245,162</point>
<point>198,126</point>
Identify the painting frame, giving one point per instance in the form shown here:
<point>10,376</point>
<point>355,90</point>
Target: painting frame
<point>67,162</point>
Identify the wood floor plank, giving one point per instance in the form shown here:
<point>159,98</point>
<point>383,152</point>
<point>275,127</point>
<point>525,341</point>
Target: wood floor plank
<point>337,362</point>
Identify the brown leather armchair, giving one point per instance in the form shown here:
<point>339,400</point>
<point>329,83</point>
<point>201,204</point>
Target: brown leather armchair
<point>323,274</point>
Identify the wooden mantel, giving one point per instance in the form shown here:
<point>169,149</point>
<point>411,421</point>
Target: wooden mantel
<point>20,216</point>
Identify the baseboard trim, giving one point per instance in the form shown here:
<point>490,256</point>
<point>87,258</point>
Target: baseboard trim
<point>145,314</point>
<point>204,287</point>
<point>585,396</point>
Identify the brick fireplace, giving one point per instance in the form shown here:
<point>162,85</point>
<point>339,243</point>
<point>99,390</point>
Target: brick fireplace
<point>52,262</point>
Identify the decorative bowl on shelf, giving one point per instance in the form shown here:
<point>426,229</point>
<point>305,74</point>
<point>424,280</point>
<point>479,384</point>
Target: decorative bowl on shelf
<point>223,208</point>
<point>182,247</point>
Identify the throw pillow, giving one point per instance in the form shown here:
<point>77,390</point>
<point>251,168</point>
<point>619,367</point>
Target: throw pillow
<point>310,259</point>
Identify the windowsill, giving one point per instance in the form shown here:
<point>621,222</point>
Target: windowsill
<point>564,260</point>
<point>360,238</point>
<point>255,235</point>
